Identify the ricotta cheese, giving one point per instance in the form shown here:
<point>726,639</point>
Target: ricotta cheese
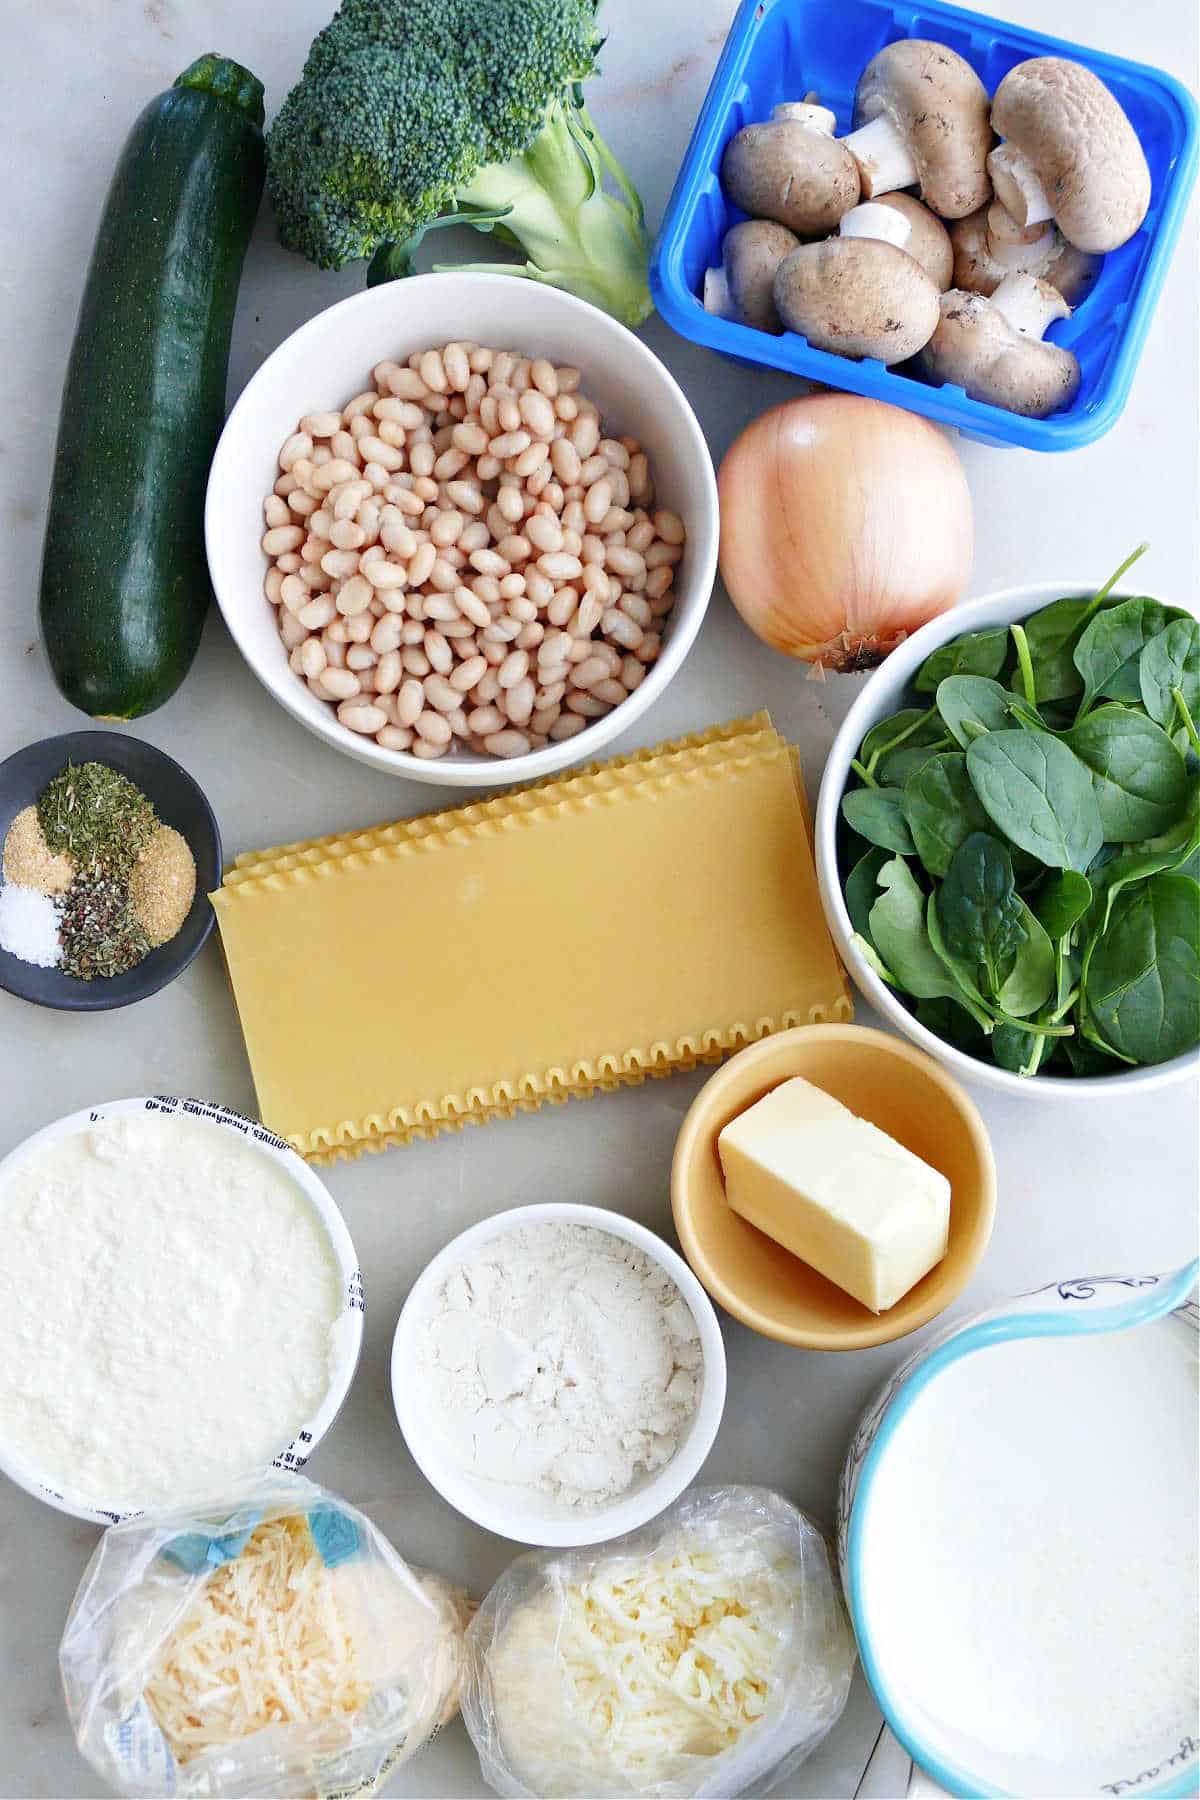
<point>168,1299</point>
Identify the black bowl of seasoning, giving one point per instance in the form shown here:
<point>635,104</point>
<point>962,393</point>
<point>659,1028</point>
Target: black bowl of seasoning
<point>110,851</point>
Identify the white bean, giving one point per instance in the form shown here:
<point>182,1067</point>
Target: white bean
<point>360,715</point>
<point>468,673</point>
<point>513,668</point>
<point>506,743</point>
<point>410,702</point>
<point>354,596</point>
<point>518,701</point>
<point>432,727</point>
<point>441,695</point>
<point>567,725</point>
<point>342,683</point>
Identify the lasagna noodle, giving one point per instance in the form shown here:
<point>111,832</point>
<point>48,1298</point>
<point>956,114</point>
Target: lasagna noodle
<point>623,922</point>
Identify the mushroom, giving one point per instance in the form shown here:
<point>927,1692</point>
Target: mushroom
<point>1069,154</point>
<point>922,116</point>
<point>859,294</point>
<point>742,287</point>
<point>993,347</point>
<point>928,241</point>
<point>990,245</point>
<point>792,169</point>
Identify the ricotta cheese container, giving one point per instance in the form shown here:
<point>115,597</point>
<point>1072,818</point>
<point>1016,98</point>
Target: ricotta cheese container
<point>181,1307</point>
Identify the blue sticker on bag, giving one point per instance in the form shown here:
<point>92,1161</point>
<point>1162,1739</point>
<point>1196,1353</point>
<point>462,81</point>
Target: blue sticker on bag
<point>193,1551</point>
<point>336,1536</point>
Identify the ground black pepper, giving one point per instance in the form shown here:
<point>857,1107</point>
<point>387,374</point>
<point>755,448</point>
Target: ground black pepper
<point>100,932</point>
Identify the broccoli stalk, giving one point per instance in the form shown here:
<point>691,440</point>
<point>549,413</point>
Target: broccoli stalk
<point>415,114</point>
<point>574,234</point>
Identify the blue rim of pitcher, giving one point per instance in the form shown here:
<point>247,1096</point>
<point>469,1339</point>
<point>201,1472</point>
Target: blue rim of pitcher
<point>1168,1294</point>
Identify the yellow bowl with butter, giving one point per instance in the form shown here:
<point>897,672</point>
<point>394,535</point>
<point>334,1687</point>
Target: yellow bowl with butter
<point>893,1086</point>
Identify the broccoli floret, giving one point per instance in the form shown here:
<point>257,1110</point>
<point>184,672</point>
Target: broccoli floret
<point>415,113</point>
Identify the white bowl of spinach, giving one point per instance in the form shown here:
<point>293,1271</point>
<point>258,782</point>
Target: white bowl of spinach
<point>1008,839</point>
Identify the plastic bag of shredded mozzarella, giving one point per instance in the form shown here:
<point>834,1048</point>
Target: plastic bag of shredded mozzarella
<point>267,1646</point>
<point>705,1654</point>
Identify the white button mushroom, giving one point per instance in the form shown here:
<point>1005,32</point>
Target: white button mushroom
<point>922,117</point>
<point>859,294</point>
<point>742,288</point>
<point>791,169</point>
<point>1069,154</point>
<point>990,244</point>
<point>993,347</point>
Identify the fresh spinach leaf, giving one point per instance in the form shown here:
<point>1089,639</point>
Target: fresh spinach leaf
<point>1170,853</point>
<point>1109,650</point>
<point>950,1021</point>
<point>1039,794</point>
<point>898,931</point>
<point>1031,980</point>
<point>975,653</point>
<point>942,809</point>
<point>1139,777</point>
<point>897,766</point>
<point>1062,901</point>
<point>1143,978</point>
<point>983,1006</point>
<point>1029,718</point>
<point>913,725</point>
<point>1087,1058</point>
<point>873,960</point>
<point>1018,1050</point>
<point>1171,660</point>
<point>1052,635</point>
<point>979,911</point>
<point>971,705</point>
<point>862,889</point>
<point>877,815</point>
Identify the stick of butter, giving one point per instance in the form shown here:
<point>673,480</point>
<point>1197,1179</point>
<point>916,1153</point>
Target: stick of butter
<point>837,1192</point>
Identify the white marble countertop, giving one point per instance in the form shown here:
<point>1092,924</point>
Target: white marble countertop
<point>1100,1187</point>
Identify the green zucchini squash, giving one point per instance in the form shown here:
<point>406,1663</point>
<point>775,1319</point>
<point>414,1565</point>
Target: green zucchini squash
<point>124,585</point>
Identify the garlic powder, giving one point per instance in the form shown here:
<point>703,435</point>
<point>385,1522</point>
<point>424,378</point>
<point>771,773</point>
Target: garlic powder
<point>168,1299</point>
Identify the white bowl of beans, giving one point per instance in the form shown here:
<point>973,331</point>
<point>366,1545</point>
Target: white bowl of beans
<point>463,527</point>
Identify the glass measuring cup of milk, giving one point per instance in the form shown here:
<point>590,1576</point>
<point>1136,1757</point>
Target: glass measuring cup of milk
<point>1018,1532</point>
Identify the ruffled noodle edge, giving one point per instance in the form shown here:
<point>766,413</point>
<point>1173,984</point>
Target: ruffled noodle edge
<point>504,1099</point>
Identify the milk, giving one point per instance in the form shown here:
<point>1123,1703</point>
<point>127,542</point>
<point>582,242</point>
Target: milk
<point>1029,1562</point>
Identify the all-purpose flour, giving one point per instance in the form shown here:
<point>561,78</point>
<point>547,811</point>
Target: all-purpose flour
<point>562,1359</point>
<point>167,1304</point>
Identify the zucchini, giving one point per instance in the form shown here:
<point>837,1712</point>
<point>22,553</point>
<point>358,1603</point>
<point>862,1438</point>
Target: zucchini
<point>124,586</point>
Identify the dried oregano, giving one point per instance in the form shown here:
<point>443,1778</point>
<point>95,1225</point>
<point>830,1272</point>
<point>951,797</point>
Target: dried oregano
<point>98,817</point>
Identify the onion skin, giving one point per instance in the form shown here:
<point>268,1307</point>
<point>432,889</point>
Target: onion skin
<point>845,525</point>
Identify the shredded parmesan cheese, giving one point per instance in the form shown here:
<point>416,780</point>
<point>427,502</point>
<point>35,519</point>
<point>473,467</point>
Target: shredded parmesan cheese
<point>648,1661</point>
<point>262,1643</point>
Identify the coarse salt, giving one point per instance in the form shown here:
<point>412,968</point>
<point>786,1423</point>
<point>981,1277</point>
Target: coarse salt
<point>29,926</point>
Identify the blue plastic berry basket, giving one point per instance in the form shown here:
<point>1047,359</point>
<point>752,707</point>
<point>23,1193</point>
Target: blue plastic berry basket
<point>780,49</point>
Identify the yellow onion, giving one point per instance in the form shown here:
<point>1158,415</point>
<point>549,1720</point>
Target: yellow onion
<point>845,524</point>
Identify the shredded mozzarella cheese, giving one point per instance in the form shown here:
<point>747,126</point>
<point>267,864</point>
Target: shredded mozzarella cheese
<point>262,1643</point>
<point>642,1664</point>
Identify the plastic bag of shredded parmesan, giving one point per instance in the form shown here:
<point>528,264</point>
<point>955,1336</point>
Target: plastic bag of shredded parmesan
<point>270,1646</point>
<point>702,1655</point>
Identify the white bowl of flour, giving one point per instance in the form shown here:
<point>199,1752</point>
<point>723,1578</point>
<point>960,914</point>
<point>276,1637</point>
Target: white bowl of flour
<point>559,1374</point>
<point>180,1307</point>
